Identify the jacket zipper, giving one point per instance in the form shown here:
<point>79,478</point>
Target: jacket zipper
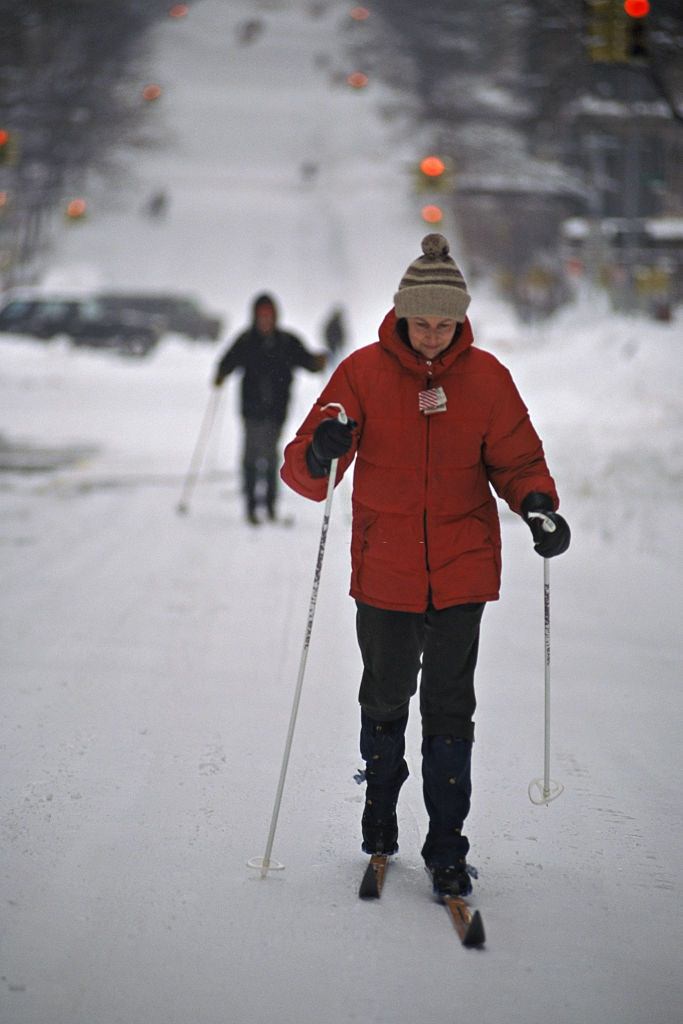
<point>427,440</point>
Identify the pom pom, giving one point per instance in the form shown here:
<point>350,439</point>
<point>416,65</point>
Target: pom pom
<point>435,247</point>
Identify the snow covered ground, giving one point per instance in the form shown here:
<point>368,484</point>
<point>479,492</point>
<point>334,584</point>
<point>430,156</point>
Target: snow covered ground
<point>149,660</point>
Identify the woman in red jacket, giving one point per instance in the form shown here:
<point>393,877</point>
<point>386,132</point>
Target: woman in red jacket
<point>434,423</point>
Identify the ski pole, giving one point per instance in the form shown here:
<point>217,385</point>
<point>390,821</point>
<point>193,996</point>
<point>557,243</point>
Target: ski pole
<point>265,864</point>
<point>183,506</point>
<point>542,791</point>
<point>213,452</point>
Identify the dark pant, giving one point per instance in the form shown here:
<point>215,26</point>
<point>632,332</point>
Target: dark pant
<point>260,462</point>
<point>443,645</point>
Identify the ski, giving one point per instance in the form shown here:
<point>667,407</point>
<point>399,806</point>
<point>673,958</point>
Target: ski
<point>468,923</point>
<point>373,879</point>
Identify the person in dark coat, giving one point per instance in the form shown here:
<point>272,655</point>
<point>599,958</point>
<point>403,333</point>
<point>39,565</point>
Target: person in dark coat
<point>435,426</point>
<point>335,333</point>
<point>267,357</point>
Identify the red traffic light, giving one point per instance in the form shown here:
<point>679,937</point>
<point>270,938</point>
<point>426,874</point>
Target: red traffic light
<point>637,8</point>
<point>7,147</point>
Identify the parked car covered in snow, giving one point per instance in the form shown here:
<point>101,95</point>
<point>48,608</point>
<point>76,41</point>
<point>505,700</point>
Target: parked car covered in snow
<point>85,321</point>
<point>97,326</point>
<point>179,314</point>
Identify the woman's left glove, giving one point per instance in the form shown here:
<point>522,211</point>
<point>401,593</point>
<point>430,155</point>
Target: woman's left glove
<point>546,543</point>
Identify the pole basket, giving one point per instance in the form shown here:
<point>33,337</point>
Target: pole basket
<point>543,792</point>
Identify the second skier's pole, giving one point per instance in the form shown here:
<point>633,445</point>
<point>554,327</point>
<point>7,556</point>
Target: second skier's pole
<point>264,863</point>
<point>199,451</point>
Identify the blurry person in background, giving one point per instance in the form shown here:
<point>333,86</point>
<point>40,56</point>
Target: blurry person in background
<point>267,356</point>
<point>335,334</point>
<point>435,426</point>
<point>157,205</point>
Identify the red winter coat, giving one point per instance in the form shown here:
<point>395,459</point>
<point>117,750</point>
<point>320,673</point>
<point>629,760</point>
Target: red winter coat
<point>425,523</point>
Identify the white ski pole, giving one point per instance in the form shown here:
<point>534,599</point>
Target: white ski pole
<point>183,506</point>
<point>542,791</point>
<point>265,863</point>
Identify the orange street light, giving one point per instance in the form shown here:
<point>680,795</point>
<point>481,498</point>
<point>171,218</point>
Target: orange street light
<point>432,213</point>
<point>432,166</point>
<point>76,209</point>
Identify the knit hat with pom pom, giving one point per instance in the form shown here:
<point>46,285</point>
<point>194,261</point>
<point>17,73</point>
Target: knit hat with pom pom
<point>432,285</point>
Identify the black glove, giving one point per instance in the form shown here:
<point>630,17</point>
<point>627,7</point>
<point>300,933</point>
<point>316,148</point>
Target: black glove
<point>331,439</point>
<point>545,543</point>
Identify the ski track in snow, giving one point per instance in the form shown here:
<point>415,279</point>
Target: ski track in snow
<point>149,659</point>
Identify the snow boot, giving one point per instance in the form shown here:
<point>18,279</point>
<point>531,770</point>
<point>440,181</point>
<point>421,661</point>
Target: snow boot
<point>382,747</point>
<point>452,879</point>
<point>447,788</point>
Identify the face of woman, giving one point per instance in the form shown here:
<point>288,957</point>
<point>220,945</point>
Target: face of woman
<point>430,335</point>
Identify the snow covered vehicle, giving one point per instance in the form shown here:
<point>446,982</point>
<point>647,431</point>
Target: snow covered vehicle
<point>179,314</point>
<point>85,321</point>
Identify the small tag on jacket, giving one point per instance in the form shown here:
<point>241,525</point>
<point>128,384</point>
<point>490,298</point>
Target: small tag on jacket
<point>432,400</point>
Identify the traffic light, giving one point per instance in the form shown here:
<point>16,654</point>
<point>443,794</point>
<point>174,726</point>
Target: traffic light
<point>637,8</point>
<point>636,29</point>
<point>434,175</point>
<point>6,147</point>
<point>615,30</point>
<point>601,19</point>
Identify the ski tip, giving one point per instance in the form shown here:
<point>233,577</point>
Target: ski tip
<point>468,923</point>
<point>475,935</point>
<point>369,889</point>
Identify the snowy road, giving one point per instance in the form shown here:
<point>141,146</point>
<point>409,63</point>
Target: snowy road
<point>150,663</point>
<point>149,660</point>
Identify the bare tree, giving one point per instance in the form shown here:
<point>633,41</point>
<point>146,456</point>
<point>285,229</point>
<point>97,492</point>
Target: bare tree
<point>63,107</point>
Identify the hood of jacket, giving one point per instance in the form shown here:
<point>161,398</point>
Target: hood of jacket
<point>414,361</point>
